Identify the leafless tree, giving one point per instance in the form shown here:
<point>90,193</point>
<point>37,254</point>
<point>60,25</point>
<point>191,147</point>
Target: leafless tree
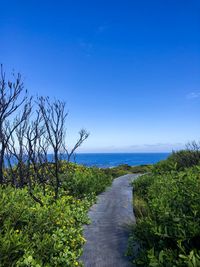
<point>37,152</point>
<point>28,134</point>
<point>83,135</point>
<point>43,161</point>
<point>16,151</point>
<point>11,99</point>
<point>23,148</point>
<point>54,116</point>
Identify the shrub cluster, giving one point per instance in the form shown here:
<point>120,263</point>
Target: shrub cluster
<point>127,169</point>
<point>167,209</point>
<point>35,235</point>
<point>44,200</point>
<point>180,160</point>
<point>81,181</point>
<point>51,234</point>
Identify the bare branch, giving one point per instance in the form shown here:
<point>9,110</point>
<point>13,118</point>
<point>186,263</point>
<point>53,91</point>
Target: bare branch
<point>11,99</point>
<point>83,135</point>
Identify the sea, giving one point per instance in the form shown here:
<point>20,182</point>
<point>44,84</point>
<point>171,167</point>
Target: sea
<point>108,160</point>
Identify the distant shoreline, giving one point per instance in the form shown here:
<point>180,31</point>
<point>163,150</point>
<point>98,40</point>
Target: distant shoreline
<point>107,160</point>
<point>123,152</point>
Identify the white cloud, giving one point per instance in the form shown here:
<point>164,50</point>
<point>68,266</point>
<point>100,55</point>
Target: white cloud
<point>193,95</point>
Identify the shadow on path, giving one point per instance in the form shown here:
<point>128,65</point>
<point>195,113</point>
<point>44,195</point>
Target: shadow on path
<point>111,218</point>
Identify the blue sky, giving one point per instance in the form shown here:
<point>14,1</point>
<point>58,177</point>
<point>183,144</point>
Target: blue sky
<point>129,71</point>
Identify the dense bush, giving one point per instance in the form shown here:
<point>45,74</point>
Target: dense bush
<point>50,234</point>
<point>185,158</point>
<point>127,169</point>
<point>141,169</point>
<point>179,160</point>
<point>81,181</point>
<point>34,235</point>
<point>168,219</point>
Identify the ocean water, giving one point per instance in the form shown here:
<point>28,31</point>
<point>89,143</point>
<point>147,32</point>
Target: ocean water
<point>105,160</point>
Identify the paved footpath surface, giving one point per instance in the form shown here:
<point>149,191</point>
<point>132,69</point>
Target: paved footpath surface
<point>111,218</point>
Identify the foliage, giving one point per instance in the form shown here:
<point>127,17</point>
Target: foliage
<point>127,169</point>
<point>43,200</point>
<point>180,160</point>
<point>48,235</point>
<point>168,218</point>
<point>185,158</point>
<point>141,185</point>
<point>140,207</point>
<point>141,168</point>
<point>81,181</point>
<point>32,235</point>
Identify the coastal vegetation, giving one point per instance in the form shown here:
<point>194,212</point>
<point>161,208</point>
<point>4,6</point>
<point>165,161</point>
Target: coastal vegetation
<point>127,169</point>
<point>166,205</point>
<point>50,234</point>
<point>43,199</point>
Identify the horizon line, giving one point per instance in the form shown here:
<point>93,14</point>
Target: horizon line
<point>140,152</point>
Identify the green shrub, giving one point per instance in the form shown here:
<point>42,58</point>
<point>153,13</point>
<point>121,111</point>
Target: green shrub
<point>141,168</point>
<point>140,207</point>
<point>178,160</point>
<point>127,169</point>
<point>164,166</point>
<point>115,172</point>
<point>141,185</point>
<point>169,233</point>
<point>48,235</point>
<point>185,158</point>
<point>83,181</point>
<point>34,235</point>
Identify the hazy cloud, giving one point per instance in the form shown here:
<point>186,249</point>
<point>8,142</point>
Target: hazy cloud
<point>87,47</point>
<point>158,147</point>
<point>193,95</point>
<point>101,28</point>
<point>87,44</point>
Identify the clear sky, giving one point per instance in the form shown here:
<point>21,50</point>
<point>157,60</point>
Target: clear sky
<point>129,70</point>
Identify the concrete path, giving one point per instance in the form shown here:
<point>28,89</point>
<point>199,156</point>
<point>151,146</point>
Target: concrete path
<point>108,233</point>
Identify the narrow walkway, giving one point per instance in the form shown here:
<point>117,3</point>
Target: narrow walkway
<point>111,217</point>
